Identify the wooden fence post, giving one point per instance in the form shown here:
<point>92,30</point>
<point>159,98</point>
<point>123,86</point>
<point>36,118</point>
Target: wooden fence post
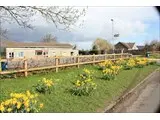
<point>114,56</point>
<point>105,57</point>
<point>57,64</point>
<point>77,61</point>
<point>25,67</point>
<point>127,55</point>
<point>93,59</point>
<point>0,65</point>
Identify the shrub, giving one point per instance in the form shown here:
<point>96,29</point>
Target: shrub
<point>21,103</point>
<point>44,85</point>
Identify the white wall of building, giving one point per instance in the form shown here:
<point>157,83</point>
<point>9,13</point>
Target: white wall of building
<point>31,52</point>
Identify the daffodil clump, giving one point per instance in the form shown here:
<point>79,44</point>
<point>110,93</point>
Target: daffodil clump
<point>105,64</point>
<point>141,62</point>
<point>44,85</point>
<point>120,62</point>
<point>83,87</point>
<point>85,84</point>
<point>130,64</point>
<point>21,103</point>
<point>116,69</point>
<point>108,74</point>
<point>86,74</point>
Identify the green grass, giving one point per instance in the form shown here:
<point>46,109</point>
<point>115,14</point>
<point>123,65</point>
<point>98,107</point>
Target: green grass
<point>152,55</point>
<point>155,55</point>
<point>62,101</point>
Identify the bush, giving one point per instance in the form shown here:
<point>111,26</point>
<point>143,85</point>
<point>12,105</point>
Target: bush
<point>44,85</point>
<point>21,103</point>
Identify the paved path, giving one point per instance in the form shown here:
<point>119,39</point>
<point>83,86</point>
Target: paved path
<point>144,99</point>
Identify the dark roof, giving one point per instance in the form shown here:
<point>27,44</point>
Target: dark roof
<point>127,45</point>
<point>15,44</point>
<point>140,47</point>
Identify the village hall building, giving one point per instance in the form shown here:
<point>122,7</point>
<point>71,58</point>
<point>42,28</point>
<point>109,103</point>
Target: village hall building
<point>39,50</point>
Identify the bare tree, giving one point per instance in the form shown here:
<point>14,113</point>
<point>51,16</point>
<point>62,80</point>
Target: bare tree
<point>49,38</point>
<point>154,45</point>
<point>21,15</point>
<point>75,47</point>
<point>101,44</point>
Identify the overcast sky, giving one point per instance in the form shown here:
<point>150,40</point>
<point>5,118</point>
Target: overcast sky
<point>134,24</point>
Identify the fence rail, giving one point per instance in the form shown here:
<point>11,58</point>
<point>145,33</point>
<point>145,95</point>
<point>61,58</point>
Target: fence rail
<point>27,65</point>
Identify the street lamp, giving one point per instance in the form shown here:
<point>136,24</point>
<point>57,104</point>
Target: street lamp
<point>112,35</point>
<point>0,36</point>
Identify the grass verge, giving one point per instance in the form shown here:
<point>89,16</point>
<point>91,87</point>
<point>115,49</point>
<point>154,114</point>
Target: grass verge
<point>62,101</point>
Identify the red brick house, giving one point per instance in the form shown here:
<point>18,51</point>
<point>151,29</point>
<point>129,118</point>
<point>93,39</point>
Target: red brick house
<point>126,46</point>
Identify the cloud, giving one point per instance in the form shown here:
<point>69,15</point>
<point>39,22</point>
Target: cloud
<point>129,22</point>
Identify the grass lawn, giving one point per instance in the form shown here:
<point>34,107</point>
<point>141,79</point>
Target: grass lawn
<point>61,100</point>
<point>152,55</point>
<point>155,55</point>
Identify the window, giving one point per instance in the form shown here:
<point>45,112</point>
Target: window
<point>72,53</point>
<point>11,54</point>
<point>21,54</point>
<point>38,52</point>
<point>45,53</point>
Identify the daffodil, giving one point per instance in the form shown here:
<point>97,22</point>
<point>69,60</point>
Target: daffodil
<point>18,105</point>
<point>2,108</point>
<point>28,109</point>
<point>41,105</point>
<point>9,109</point>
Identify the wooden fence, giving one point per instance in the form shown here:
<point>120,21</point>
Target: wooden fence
<point>28,65</point>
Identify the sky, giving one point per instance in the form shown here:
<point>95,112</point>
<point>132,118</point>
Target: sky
<point>133,24</point>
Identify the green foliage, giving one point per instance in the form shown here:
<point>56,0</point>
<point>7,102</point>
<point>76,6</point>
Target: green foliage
<point>44,86</point>
<point>85,85</point>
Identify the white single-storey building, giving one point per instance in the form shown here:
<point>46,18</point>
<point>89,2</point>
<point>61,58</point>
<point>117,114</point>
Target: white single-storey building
<point>41,49</point>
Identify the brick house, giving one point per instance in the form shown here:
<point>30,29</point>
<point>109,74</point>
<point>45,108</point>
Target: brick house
<point>125,46</point>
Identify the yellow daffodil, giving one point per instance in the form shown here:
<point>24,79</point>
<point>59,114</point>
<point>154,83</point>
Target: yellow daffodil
<point>9,109</point>
<point>2,108</point>
<point>41,105</point>
<point>28,109</point>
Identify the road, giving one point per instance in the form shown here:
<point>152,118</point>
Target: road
<point>146,99</point>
